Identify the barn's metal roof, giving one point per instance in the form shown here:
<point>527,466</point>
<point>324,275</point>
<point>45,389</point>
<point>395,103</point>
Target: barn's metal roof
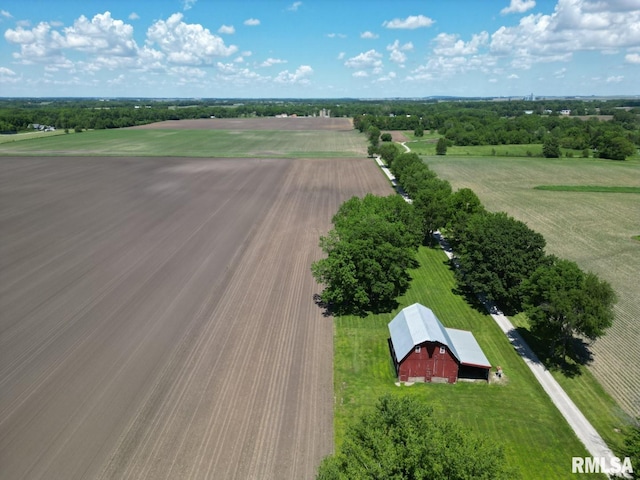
<point>469,352</point>
<point>417,324</point>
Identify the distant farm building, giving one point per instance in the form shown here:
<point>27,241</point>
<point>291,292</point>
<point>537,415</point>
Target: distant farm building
<point>423,350</point>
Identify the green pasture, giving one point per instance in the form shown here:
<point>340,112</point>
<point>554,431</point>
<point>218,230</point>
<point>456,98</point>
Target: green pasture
<point>194,143</point>
<point>587,188</point>
<point>19,137</point>
<point>595,230</point>
<point>516,413</point>
<point>428,147</point>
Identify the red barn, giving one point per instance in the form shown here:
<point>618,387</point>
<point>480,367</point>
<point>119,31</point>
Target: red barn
<point>423,350</point>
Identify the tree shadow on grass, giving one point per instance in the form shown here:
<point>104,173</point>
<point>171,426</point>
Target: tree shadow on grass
<point>333,310</point>
<point>578,354</point>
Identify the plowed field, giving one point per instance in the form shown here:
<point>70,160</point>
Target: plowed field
<point>157,316</point>
<point>257,123</point>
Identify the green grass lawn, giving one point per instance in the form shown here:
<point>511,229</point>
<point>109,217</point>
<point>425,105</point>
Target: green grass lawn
<point>517,414</point>
<point>194,143</point>
<point>594,402</point>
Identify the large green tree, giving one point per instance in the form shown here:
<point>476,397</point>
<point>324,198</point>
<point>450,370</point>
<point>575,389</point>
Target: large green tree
<point>551,147</point>
<point>369,252</point>
<point>463,203</point>
<point>388,152</point>
<point>563,302</point>
<point>402,438</point>
<point>496,254</point>
<point>373,134</point>
<point>614,146</point>
<point>441,146</point>
<point>432,201</point>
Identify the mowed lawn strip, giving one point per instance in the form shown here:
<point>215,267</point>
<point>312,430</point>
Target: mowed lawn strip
<point>518,414</point>
<point>595,230</point>
<point>195,143</point>
<point>587,188</point>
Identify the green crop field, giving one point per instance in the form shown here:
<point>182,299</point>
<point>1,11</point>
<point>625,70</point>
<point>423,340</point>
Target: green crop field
<point>428,147</point>
<point>597,230</point>
<point>194,143</point>
<point>517,413</point>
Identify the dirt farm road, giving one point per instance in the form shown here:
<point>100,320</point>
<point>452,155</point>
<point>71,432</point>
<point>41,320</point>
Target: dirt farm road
<point>157,316</point>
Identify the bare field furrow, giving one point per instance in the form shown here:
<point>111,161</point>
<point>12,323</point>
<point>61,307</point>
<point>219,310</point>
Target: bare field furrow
<point>158,321</point>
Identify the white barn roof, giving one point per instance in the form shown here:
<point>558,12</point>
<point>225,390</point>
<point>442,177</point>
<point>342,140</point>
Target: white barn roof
<point>469,352</point>
<point>417,324</point>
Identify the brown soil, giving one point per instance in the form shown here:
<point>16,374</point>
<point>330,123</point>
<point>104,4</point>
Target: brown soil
<point>157,316</point>
<point>258,123</point>
<point>398,136</point>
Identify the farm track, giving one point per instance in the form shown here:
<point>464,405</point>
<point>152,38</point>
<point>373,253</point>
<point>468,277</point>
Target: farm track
<point>593,230</point>
<point>157,316</point>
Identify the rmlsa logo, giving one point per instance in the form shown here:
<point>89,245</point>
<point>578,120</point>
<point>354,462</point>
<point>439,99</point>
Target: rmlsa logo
<point>608,465</point>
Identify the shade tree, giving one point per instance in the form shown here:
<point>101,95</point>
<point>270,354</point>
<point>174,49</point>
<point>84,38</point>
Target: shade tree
<point>402,438</point>
<point>496,253</point>
<point>368,254</point>
<point>562,303</point>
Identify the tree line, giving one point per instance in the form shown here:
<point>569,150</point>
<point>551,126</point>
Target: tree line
<point>375,239</point>
<point>615,139</point>
<point>459,122</point>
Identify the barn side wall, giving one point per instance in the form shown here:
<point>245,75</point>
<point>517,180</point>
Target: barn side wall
<point>429,365</point>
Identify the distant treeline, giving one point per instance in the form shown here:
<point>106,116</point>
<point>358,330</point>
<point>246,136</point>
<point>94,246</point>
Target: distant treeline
<point>468,122</point>
<point>483,123</point>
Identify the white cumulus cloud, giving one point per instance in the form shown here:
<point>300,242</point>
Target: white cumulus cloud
<point>397,54</point>
<point>366,60</point>
<point>102,34</point>
<point>368,35</point>
<point>252,22</point>
<point>187,44</point>
<point>518,6</point>
<point>272,61</point>
<point>575,25</point>
<point>410,23</point>
<point>226,30</point>
<point>188,4</point>
<point>294,6</point>
<point>300,76</point>
<point>451,45</point>
<point>632,58</point>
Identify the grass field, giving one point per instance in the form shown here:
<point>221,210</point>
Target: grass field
<point>596,230</point>
<point>427,146</point>
<point>19,137</point>
<point>517,414</point>
<point>194,143</point>
<point>587,188</point>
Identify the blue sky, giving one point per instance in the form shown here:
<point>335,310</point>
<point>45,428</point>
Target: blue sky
<point>319,48</point>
